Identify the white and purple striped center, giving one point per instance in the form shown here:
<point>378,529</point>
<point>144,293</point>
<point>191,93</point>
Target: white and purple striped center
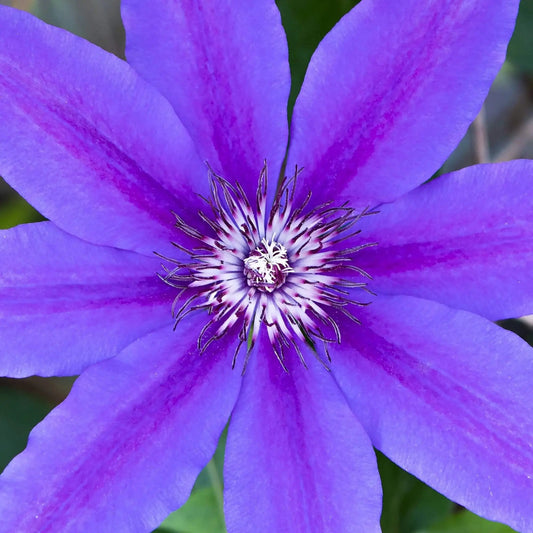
<point>290,271</point>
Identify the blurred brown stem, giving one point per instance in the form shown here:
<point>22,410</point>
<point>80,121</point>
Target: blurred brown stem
<point>481,138</point>
<point>517,142</point>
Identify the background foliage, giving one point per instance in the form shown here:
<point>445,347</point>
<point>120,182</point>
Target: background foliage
<point>503,131</point>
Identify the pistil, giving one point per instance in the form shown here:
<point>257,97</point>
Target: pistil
<point>267,266</point>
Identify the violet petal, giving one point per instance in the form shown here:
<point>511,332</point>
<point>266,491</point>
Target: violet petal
<point>463,239</point>
<point>124,449</point>
<point>224,67</point>
<point>297,460</point>
<point>65,304</point>
<point>390,91</point>
<point>82,132</point>
<point>447,395</point>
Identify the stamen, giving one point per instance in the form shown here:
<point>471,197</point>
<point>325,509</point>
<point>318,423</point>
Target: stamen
<point>287,270</point>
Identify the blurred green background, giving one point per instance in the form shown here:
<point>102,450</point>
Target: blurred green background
<point>504,130</point>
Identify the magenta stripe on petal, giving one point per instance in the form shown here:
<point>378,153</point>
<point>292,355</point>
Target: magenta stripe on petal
<point>464,239</point>
<point>447,395</point>
<point>87,142</point>
<point>124,449</point>
<point>65,304</point>
<point>297,460</point>
<point>223,65</point>
<point>390,92</point>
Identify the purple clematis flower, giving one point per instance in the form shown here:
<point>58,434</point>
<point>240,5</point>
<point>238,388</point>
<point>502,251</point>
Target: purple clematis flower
<point>355,306</point>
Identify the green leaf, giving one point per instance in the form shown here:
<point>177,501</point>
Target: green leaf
<point>306,22</point>
<point>467,522</point>
<point>519,51</point>
<point>20,411</point>
<point>201,514</point>
<point>408,504</point>
<point>17,211</point>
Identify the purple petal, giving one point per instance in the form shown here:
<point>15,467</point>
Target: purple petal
<point>65,304</point>
<point>297,460</point>
<point>464,239</point>
<point>447,395</point>
<point>124,449</point>
<point>390,92</point>
<point>224,67</point>
<point>87,142</point>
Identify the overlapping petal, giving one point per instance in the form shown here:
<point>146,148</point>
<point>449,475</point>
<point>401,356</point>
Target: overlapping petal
<point>463,239</point>
<point>124,449</point>
<point>297,460</point>
<point>224,67</point>
<point>390,92</point>
<point>65,304</point>
<point>447,395</point>
<point>87,142</point>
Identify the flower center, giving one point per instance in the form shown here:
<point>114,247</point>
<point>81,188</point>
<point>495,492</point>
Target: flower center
<point>266,268</point>
<point>288,271</point>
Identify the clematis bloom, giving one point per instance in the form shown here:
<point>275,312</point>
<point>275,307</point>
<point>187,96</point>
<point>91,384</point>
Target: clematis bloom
<point>345,307</point>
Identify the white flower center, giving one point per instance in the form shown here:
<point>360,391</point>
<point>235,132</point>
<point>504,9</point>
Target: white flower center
<point>288,270</point>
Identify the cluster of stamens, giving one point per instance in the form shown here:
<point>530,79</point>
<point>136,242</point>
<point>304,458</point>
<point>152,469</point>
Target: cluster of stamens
<point>290,271</point>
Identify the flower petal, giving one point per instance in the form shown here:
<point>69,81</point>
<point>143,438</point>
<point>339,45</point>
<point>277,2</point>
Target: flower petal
<point>87,142</point>
<point>463,239</point>
<point>65,304</point>
<point>297,460</point>
<point>390,92</point>
<point>124,449</point>
<point>447,395</point>
<point>224,67</point>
